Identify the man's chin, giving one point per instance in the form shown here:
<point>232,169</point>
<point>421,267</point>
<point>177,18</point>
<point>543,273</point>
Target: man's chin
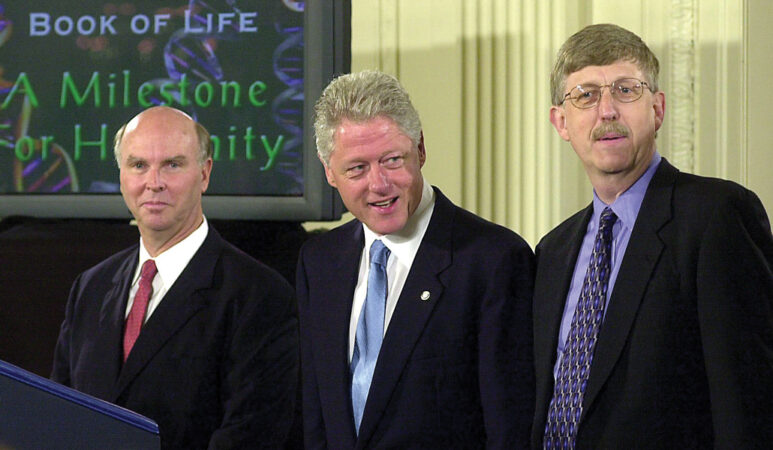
<point>385,226</point>
<point>614,164</point>
<point>153,224</point>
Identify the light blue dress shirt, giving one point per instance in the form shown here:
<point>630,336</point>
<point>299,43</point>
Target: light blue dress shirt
<point>626,207</point>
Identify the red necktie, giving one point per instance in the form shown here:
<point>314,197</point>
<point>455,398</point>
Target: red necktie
<point>139,307</point>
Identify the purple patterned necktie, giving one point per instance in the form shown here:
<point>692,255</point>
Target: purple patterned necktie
<point>566,406</point>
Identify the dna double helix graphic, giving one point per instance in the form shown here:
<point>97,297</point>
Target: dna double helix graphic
<point>38,165</point>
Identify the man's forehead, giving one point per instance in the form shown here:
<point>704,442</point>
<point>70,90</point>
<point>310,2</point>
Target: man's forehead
<point>605,74</point>
<point>139,132</point>
<point>144,146</point>
<point>367,130</point>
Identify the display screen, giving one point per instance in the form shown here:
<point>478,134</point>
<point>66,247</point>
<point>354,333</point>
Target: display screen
<point>72,72</point>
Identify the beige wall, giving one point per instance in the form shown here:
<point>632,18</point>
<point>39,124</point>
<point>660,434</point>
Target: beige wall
<point>477,71</point>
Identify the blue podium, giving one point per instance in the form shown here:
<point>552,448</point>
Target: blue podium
<point>37,413</point>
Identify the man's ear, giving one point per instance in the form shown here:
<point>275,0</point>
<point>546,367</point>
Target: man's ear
<point>659,105</point>
<point>328,173</point>
<point>422,150</point>
<point>206,172</point>
<point>558,119</point>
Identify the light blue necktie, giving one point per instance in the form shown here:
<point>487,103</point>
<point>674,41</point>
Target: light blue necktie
<point>370,330</point>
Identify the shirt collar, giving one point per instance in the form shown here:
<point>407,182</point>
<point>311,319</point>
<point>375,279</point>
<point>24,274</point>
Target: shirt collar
<point>173,260</point>
<point>626,206</point>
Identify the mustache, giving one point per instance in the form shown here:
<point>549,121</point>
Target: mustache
<point>609,127</point>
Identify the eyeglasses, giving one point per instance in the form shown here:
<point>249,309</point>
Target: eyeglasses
<point>624,90</point>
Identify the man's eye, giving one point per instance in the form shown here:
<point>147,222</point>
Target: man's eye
<point>393,162</point>
<point>138,165</point>
<point>355,170</point>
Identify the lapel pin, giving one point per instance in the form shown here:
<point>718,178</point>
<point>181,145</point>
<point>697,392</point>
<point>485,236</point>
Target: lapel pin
<point>425,295</point>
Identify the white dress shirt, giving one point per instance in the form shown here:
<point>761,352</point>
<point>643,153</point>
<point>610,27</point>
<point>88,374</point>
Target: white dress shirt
<point>170,265</point>
<point>403,246</point>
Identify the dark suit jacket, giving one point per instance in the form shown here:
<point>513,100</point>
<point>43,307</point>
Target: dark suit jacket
<point>684,358</point>
<point>454,371</point>
<point>215,365</point>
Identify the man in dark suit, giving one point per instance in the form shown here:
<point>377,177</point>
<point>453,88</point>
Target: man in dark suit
<point>183,328</point>
<point>653,306</point>
<point>438,353</point>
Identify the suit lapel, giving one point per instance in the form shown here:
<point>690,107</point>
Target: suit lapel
<point>334,312</point>
<point>555,266</point>
<point>109,340</point>
<point>179,304</point>
<point>411,313</point>
<point>641,255</point>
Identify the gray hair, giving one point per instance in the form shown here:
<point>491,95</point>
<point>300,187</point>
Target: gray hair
<point>601,45</point>
<point>360,97</point>
<point>205,142</point>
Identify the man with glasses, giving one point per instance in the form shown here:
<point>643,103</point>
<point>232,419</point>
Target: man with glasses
<point>653,306</point>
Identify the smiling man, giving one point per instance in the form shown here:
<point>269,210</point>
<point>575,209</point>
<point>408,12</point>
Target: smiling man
<point>183,328</point>
<point>415,316</point>
<point>653,306</point>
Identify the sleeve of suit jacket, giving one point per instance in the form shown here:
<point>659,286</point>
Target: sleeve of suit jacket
<point>735,308</point>
<point>260,370</point>
<point>313,426</point>
<point>61,366</point>
<point>505,342</point>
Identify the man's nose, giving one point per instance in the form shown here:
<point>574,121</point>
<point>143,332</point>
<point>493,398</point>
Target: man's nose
<point>607,106</point>
<point>378,180</point>
<point>154,180</point>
